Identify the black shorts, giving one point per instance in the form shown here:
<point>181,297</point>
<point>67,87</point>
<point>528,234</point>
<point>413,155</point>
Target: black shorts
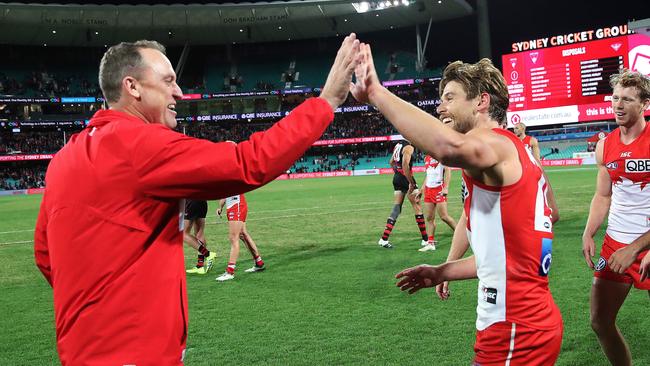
<point>195,209</point>
<point>400,183</point>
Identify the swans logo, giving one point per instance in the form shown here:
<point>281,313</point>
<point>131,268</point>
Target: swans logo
<point>546,257</point>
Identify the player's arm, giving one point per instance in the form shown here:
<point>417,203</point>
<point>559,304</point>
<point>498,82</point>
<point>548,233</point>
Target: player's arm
<point>41,251</point>
<point>416,278</point>
<point>551,201</point>
<point>407,155</point>
<point>534,144</point>
<point>599,206</point>
<point>222,203</point>
<point>446,179</point>
<point>470,151</point>
<point>550,195</point>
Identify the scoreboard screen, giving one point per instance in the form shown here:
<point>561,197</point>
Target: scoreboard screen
<point>570,83</point>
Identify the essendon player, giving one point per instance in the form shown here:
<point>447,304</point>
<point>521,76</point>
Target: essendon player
<point>236,211</point>
<point>194,218</point>
<point>404,185</point>
<point>508,221</point>
<point>623,160</point>
<point>436,188</point>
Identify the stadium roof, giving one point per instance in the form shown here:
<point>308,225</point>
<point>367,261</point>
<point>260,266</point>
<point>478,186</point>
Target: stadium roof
<point>69,24</point>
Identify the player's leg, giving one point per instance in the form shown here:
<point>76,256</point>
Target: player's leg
<point>192,241</point>
<point>419,217</point>
<point>606,300</point>
<point>199,233</point>
<point>188,238</point>
<point>445,216</point>
<point>252,248</point>
<point>398,200</point>
<point>429,209</point>
<point>234,231</point>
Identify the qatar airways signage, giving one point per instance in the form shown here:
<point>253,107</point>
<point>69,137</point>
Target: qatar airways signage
<point>570,38</point>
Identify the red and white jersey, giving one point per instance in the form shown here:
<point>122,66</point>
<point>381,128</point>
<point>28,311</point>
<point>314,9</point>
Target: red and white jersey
<point>434,170</point>
<point>527,144</point>
<point>629,169</point>
<point>233,201</point>
<point>511,235</point>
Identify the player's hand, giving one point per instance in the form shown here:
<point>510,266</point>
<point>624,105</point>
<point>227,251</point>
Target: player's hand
<point>416,278</point>
<point>645,267</point>
<point>219,212</point>
<point>588,250</point>
<point>442,289</point>
<point>367,83</point>
<point>337,85</point>
<point>622,259</point>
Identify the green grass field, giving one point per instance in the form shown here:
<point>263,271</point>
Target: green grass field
<point>328,296</point>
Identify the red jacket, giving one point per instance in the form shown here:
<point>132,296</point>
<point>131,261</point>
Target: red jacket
<point>107,237</point>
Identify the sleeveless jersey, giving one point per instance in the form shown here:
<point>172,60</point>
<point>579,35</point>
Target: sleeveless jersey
<point>398,156</point>
<point>511,235</point>
<point>434,170</point>
<point>629,169</point>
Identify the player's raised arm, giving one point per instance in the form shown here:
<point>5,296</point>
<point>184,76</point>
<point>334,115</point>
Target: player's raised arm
<point>423,130</point>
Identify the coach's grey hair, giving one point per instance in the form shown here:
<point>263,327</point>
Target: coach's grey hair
<point>119,61</point>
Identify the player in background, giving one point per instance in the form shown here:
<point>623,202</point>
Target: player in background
<point>532,145</point>
<point>236,211</point>
<point>436,189</point>
<point>194,218</point>
<point>530,142</point>
<point>623,160</point>
<point>404,185</point>
<point>508,221</point>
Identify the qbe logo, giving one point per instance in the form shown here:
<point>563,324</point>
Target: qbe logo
<point>637,165</point>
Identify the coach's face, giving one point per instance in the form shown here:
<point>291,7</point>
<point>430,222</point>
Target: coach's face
<point>628,106</point>
<point>455,109</point>
<point>158,89</point>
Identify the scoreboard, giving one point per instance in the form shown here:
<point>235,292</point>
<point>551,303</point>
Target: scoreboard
<point>570,83</point>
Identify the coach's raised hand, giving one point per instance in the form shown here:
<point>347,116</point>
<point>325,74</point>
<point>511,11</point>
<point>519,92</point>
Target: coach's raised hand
<point>338,81</point>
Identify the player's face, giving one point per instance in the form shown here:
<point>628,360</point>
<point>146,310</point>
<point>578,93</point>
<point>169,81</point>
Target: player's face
<point>519,130</point>
<point>456,110</point>
<point>628,106</point>
<point>158,89</point>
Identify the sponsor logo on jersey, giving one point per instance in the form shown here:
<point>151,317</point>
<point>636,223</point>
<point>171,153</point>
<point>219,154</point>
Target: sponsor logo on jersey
<point>637,165</point>
<point>612,165</point>
<point>490,295</point>
<point>546,257</point>
<point>626,154</point>
<point>602,262</point>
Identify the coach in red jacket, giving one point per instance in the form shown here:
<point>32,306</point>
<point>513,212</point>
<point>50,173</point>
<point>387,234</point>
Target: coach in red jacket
<point>108,238</point>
